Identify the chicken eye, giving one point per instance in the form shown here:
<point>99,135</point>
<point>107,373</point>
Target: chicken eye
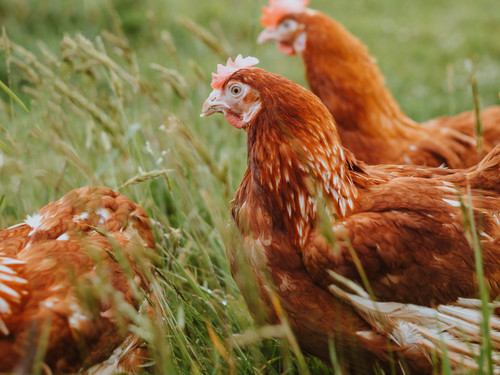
<point>236,90</point>
<point>287,25</point>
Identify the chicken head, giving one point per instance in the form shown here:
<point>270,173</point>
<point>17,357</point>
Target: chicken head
<point>238,102</point>
<point>283,25</point>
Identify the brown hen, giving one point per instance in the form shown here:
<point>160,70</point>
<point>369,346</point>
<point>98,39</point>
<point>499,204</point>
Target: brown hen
<point>61,280</point>
<point>308,211</point>
<point>370,122</point>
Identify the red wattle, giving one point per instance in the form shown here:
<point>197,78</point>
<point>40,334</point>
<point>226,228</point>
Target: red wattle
<point>286,49</point>
<point>234,120</point>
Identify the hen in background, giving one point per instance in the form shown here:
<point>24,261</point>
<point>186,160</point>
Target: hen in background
<point>370,122</point>
<point>66,274</point>
<point>311,215</point>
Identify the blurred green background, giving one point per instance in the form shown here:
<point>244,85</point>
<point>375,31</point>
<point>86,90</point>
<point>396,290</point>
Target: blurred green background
<point>421,47</point>
<point>115,90</point>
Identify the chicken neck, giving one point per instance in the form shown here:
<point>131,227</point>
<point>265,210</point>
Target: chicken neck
<point>291,174</point>
<point>341,71</point>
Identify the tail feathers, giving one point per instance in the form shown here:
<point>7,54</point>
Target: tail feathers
<point>451,330</point>
<point>128,358</point>
<point>466,121</point>
<point>487,173</point>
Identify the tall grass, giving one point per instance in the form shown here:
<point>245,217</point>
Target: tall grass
<point>114,90</point>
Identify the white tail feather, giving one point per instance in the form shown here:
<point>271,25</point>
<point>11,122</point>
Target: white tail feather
<point>451,328</point>
<point>118,361</point>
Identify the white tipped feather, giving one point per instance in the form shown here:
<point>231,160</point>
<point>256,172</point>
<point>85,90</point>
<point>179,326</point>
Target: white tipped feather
<point>9,289</point>
<point>3,328</point>
<point>4,307</point>
<point>6,270</point>
<point>11,279</point>
<point>9,292</point>
<point>10,261</point>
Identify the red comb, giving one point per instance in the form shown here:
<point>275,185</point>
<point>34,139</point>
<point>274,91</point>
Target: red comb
<point>278,8</point>
<point>223,72</point>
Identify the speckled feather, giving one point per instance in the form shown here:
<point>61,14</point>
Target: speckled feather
<point>370,122</point>
<point>404,222</point>
<point>55,248</point>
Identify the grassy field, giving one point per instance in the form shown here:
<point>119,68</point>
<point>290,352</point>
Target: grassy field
<point>115,89</point>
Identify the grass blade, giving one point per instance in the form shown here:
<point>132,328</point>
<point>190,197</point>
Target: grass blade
<point>9,92</point>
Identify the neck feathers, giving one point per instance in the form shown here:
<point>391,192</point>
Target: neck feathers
<point>344,75</point>
<point>294,173</point>
<point>295,157</point>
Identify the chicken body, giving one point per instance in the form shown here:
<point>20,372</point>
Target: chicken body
<point>305,203</point>
<point>60,279</point>
<point>369,121</point>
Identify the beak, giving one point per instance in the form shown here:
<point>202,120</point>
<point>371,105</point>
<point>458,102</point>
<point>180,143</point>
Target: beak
<point>269,34</point>
<point>213,104</point>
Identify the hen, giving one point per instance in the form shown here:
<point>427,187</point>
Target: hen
<point>403,223</point>
<point>62,280</point>
<point>370,122</point>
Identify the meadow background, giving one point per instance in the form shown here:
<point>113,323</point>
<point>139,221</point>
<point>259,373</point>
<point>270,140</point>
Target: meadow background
<point>114,90</point>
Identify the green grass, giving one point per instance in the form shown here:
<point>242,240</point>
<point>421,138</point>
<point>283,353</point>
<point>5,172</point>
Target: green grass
<point>115,89</point>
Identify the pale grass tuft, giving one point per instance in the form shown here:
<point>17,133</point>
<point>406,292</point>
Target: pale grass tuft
<point>65,89</point>
<point>179,126</point>
<point>174,79</point>
<point>168,41</point>
<point>205,36</point>
<point>84,46</point>
<point>146,176</point>
<point>30,73</point>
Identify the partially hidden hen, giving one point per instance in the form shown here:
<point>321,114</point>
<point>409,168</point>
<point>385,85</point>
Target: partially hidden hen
<point>370,122</point>
<point>65,273</point>
<point>311,215</point>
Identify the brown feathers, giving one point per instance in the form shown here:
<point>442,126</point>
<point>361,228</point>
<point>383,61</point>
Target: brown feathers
<point>370,122</point>
<point>51,267</point>
<point>307,207</point>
